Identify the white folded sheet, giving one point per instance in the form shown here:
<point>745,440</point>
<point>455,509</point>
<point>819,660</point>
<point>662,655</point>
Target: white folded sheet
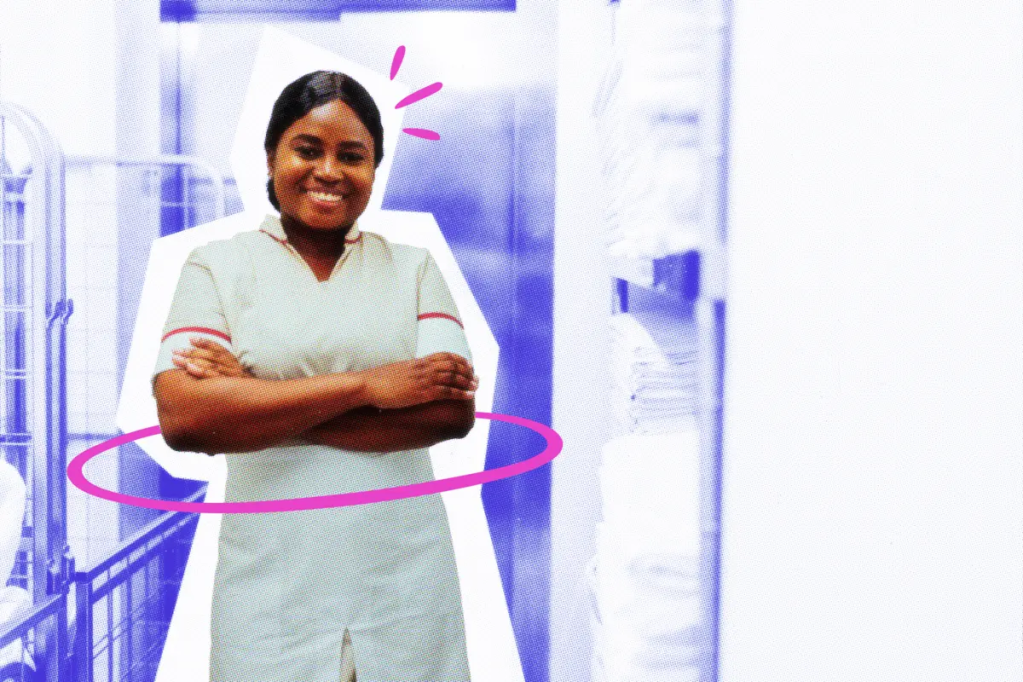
<point>646,572</point>
<point>654,369</point>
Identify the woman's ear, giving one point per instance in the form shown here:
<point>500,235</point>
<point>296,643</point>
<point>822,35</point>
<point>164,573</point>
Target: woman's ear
<point>270,165</point>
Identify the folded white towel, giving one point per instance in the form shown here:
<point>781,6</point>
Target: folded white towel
<point>654,368</point>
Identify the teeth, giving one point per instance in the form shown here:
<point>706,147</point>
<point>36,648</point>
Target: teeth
<point>323,196</point>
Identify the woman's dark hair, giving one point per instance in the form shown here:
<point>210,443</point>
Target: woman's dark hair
<point>316,89</point>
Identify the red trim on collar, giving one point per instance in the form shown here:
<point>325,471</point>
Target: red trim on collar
<point>202,330</point>
<point>285,241</point>
<point>274,237</point>
<point>426,316</point>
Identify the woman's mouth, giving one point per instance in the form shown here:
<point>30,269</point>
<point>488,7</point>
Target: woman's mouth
<point>326,198</point>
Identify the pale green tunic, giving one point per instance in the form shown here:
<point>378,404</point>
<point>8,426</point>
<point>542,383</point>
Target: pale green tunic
<point>290,584</point>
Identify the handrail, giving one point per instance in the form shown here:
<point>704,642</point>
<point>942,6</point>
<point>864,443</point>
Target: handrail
<point>15,630</point>
<point>219,201</point>
<point>86,595</point>
<point>154,527</point>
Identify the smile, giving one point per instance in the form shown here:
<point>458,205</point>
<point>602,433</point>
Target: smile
<point>326,196</point>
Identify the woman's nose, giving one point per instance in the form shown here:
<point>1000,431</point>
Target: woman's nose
<point>329,169</point>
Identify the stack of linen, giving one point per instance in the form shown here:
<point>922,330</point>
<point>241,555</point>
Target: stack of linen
<point>647,114</point>
<point>647,619</point>
<point>654,365</point>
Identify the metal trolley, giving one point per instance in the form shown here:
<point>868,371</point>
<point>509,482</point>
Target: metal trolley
<point>33,430</point>
<point>106,618</point>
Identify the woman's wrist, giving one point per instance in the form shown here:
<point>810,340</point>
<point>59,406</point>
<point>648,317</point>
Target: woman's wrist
<point>353,389</point>
<point>370,429</point>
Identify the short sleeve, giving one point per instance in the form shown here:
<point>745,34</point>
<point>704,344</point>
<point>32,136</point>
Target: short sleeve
<point>196,310</point>
<point>440,327</point>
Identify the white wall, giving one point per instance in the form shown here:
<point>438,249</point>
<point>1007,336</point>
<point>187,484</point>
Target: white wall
<point>873,513</point>
<point>57,59</point>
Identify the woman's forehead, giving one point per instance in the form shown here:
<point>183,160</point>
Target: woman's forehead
<point>330,122</point>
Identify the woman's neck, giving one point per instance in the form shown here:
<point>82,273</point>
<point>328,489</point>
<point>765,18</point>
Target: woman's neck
<point>318,244</point>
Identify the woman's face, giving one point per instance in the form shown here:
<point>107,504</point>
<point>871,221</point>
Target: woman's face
<point>323,169</point>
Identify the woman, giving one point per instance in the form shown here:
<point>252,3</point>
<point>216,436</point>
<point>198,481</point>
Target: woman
<point>309,348</point>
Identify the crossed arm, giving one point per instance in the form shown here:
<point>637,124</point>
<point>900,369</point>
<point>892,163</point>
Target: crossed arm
<point>212,404</point>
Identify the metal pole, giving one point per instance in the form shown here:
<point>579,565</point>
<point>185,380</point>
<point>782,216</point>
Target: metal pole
<point>83,631</point>
<point>710,316</point>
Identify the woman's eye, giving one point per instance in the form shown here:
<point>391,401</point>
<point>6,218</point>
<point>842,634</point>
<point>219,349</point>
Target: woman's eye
<point>351,158</point>
<point>307,152</point>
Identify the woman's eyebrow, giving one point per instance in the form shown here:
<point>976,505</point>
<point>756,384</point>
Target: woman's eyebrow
<point>346,144</point>
<point>305,137</point>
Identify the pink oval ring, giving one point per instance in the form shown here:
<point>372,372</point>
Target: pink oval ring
<point>76,475</point>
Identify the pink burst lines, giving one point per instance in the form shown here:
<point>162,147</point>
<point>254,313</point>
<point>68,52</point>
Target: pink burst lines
<point>421,93</point>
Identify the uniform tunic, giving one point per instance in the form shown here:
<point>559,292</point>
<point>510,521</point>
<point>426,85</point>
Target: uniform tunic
<point>291,587</point>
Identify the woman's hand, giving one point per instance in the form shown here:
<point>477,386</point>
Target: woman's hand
<point>209,359</point>
<point>441,376</point>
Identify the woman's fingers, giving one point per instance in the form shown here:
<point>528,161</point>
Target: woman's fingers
<point>458,377</point>
<point>436,377</point>
<point>214,352</point>
<point>451,369</point>
<point>197,354</point>
<point>205,370</point>
<point>187,359</point>
<point>451,361</point>
<point>456,385</point>
<point>190,367</point>
<point>451,393</point>
<point>453,376</point>
<point>213,358</point>
<point>197,368</point>
<point>452,380</point>
<point>202,367</point>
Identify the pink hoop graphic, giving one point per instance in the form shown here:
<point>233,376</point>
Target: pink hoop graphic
<point>77,477</point>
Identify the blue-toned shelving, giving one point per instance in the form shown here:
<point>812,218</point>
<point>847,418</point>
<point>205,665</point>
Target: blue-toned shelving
<point>661,114</point>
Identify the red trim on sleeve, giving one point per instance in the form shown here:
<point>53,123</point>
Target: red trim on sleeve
<point>353,241</point>
<point>204,330</point>
<point>425,316</point>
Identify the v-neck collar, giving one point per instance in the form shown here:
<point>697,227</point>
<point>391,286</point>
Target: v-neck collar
<point>272,226</point>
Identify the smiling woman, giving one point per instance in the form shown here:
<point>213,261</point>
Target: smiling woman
<point>327,360</point>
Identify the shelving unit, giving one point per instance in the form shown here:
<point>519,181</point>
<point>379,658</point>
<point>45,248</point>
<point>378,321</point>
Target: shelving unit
<point>661,114</point>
